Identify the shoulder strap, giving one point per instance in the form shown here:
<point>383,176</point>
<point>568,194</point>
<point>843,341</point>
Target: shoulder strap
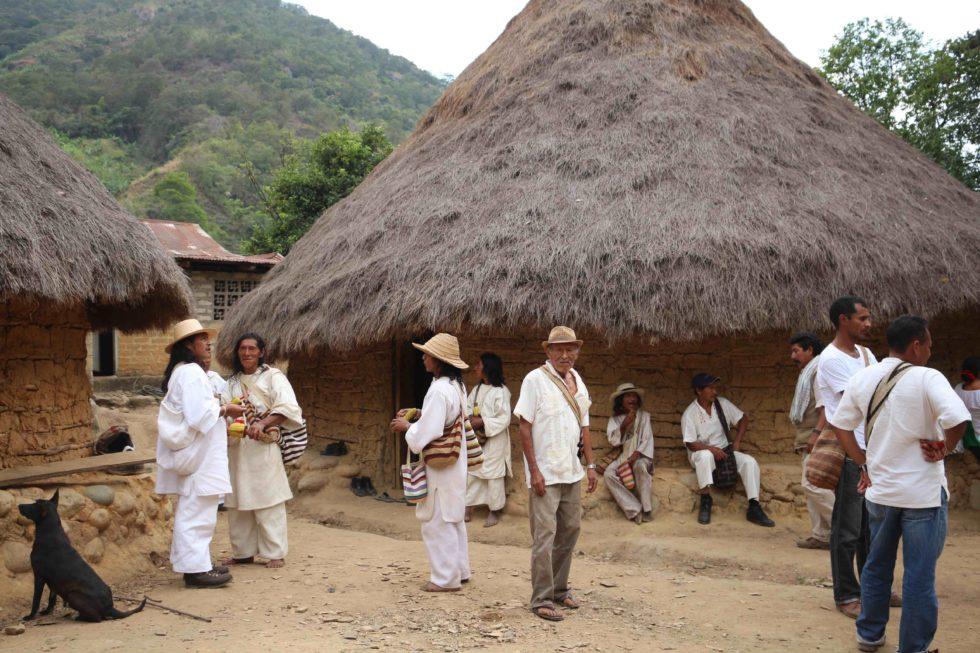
<point>864,355</point>
<point>884,388</point>
<point>565,393</point>
<point>722,418</point>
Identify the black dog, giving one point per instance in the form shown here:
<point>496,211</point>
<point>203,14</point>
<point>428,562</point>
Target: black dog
<point>57,564</point>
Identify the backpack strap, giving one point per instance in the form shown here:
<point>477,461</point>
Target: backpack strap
<point>884,388</point>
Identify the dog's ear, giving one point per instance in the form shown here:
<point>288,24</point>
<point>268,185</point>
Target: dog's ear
<point>42,509</point>
<point>54,499</point>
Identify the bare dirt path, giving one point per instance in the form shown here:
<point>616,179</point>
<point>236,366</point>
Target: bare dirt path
<point>665,586</point>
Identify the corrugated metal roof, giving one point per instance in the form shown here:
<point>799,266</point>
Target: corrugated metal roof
<point>187,241</point>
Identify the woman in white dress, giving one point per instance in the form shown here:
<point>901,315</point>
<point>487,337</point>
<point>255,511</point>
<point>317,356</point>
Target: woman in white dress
<point>969,392</point>
<point>489,409</point>
<point>630,428</point>
<point>260,489</point>
<point>192,460</point>
<point>441,512</point>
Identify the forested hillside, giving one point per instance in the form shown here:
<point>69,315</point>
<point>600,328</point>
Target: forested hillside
<point>186,107</point>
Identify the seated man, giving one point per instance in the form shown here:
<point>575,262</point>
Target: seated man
<point>705,426</point>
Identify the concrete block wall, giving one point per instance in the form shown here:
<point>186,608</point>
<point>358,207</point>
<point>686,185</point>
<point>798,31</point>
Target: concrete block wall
<point>45,381</point>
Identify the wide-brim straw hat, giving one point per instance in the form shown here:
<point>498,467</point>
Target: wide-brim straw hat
<point>445,347</point>
<point>186,329</point>
<point>624,389</point>
<point>561,335</point>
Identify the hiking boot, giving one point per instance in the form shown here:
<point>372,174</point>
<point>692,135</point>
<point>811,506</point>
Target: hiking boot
<point>704,514</point>
<point>852,609</point>
<point>895,601</point>
<point>757,515</point>
<point>211,578</point>
<point>813,543</point>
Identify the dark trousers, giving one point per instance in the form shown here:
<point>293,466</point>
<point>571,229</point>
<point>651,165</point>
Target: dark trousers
<point>849,535</point>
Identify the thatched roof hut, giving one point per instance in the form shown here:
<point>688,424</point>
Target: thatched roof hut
<point>64,240</point>
<point>642,170</point>
<point>663,168</point>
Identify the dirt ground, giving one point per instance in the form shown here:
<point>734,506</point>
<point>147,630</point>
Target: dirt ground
<point>355,565</point>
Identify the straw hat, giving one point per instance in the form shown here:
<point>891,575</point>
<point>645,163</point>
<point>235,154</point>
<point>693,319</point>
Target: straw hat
<point>561,335</point>
<point>625,388</point>
<point>444,347</point>
<point>186,329</point>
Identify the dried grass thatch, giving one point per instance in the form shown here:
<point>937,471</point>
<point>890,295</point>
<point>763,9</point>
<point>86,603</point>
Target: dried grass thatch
<point>659,168</point>
<point>64,239</point>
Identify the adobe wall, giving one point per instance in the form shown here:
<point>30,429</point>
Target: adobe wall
<point>45,381</point>
<point>351,395</point>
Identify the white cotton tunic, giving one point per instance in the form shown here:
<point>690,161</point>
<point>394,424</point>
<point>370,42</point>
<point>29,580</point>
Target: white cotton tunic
<point>189,394</point>
<point>258,475</point>
<point>555,431</point>
<point>698,426</point>
<point>641,440</point>
<point>440,408</point>
<point>494,403</point>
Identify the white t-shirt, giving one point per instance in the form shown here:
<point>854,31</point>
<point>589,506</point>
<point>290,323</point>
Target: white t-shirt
<point>971,398</point>
<point>554,429</point>
<point>920,405</point>
<point>698,426</point>
<point>834,369</point>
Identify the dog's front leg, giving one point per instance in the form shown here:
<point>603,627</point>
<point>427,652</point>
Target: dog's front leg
<point>52,599</point>
<point>36,602</point>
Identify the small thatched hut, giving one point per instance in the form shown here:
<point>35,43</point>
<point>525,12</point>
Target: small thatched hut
<point>71,260</point>
<point>663,176</point>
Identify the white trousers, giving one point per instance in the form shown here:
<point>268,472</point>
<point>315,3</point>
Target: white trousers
<point>820,505</point>
<point>486,492</point>
<point>259,532</point>
<point>627,499</point>
<point>748,470</point>
<point>194,520</point>
<point>445,543</point>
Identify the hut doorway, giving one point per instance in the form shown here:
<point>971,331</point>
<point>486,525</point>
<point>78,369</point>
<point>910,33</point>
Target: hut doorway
<point>411,384</point>
<point>104,353</point>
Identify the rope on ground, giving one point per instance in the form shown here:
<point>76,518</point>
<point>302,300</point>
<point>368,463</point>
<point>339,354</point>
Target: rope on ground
<point>160,606</point>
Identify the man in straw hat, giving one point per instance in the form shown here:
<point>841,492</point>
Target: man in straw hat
<point>630,432</point>
<point>706,425</point>
<point>554,411</point>
<point>192,457</point>
<point>443,509</point>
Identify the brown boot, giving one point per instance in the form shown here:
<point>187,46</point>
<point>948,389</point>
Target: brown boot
<point>852,609</point>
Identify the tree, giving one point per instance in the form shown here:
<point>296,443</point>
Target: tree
<point>931,98</point>
<point>175,198</point>
<point>320,174</point>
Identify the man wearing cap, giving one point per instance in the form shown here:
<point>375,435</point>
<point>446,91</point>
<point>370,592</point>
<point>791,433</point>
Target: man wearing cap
<point>706,426</point>
<point>630,431</point>
<point>553,408</point>
<point>443,509</point>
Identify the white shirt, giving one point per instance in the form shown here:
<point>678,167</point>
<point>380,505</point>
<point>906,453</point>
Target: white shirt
<point>640,436</point>
<point>218,384</point>
<point>698,426</point>
<point>555,431</point>
<point>494,403</point>
<point>834,369</point>
<point>971,398</point>
<point>440,408</point>
<point>921,405</point>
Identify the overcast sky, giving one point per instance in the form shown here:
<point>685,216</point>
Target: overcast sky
<point>444,36</point>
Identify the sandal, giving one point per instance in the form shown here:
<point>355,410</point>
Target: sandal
<point>548,613</point>
<point>569,602</point>
<point>432,587</point>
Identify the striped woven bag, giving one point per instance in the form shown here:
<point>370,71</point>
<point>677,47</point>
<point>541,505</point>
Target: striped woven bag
<point>414,482</point>
<point>443,452</point>
<point>625,473</point>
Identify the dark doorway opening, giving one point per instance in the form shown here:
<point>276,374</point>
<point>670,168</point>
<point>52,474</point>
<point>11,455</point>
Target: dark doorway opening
<point>411,383</point>
<point>104,353</point>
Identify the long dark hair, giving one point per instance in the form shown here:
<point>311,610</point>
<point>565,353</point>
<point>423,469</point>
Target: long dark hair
<point>179,353</point>
<point>236,363</point>
<point>493,368</point>
<point>618,402</point>
<point>451,372</point>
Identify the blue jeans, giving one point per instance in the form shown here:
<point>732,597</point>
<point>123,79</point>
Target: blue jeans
<point>923,533</point>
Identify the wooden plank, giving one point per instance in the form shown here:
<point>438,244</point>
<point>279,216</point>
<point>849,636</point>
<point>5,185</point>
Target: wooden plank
<point>28,474</point>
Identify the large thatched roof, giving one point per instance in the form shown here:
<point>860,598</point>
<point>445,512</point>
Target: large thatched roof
<point>662,168</point>
<point>64,239</point>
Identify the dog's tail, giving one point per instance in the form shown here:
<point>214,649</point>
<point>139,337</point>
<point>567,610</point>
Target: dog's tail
<point>117,614</point>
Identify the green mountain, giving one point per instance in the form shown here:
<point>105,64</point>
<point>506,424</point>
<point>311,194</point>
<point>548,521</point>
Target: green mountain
<point>150,94</point>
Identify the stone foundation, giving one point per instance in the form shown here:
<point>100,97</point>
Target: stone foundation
<point>354,395</point>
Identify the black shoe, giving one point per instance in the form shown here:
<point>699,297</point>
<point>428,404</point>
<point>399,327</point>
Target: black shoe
<point>207,579</point>
<point>221,507</point>
<point>757,515</point>
<point>356,487</point>
<point>704,514</point>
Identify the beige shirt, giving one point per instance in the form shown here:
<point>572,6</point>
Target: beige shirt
<point>258,476</point>
<point>555,431</point>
